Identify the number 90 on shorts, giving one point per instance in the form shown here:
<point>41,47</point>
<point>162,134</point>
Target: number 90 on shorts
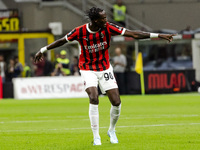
<point>105,79</point>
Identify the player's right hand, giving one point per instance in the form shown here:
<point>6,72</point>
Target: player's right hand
<point>38,57</point>
<point>168,37</point>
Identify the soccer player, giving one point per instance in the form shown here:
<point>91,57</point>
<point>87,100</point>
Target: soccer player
<point>94,39</point>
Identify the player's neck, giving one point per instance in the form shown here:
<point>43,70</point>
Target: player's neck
<point>93,27</point>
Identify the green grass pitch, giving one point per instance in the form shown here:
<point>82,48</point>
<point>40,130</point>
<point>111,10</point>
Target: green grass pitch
<point>152,122</point>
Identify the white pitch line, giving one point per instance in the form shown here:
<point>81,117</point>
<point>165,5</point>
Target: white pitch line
<point>35,121</point>
<point>86,119</point>
<point>161,116</point>
<point>87,128</point>
<point>121,116</point>
<point>165,115</point>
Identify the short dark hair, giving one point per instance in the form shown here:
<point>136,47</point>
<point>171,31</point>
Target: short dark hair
<point>93,13</point>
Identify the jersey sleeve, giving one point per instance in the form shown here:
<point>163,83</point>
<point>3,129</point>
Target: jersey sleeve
<point>116,30</point>
<point>72,35</point>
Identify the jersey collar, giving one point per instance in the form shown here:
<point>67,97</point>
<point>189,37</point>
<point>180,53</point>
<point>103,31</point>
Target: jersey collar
<point>87,27</point>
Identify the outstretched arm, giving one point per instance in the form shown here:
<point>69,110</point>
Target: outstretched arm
<point>57,43</point>
<point>144,35</point>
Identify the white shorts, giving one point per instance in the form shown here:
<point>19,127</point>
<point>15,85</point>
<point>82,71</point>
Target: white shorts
<point>105,79</point>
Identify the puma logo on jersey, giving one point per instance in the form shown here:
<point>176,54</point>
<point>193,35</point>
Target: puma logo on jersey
<point>86,39</point>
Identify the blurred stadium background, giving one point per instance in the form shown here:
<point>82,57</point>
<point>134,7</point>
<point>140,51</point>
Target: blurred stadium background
<point>28,25</point>
<point>167,121</point>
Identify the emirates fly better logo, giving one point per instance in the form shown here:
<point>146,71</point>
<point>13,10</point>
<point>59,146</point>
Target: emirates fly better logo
<point>96,47</point>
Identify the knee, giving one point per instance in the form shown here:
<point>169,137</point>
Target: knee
<point>116,103</point>
<point>116,100</point>
<point>94,99</point>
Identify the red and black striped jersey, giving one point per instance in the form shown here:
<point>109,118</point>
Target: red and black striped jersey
<point>94,45</point>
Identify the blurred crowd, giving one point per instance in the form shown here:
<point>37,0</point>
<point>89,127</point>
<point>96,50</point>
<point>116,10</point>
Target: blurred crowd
<point>11,70</point>
<point>60,67</point>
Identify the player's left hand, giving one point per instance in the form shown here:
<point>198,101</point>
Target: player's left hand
<point>38,57</point>
<point>168,37</point>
